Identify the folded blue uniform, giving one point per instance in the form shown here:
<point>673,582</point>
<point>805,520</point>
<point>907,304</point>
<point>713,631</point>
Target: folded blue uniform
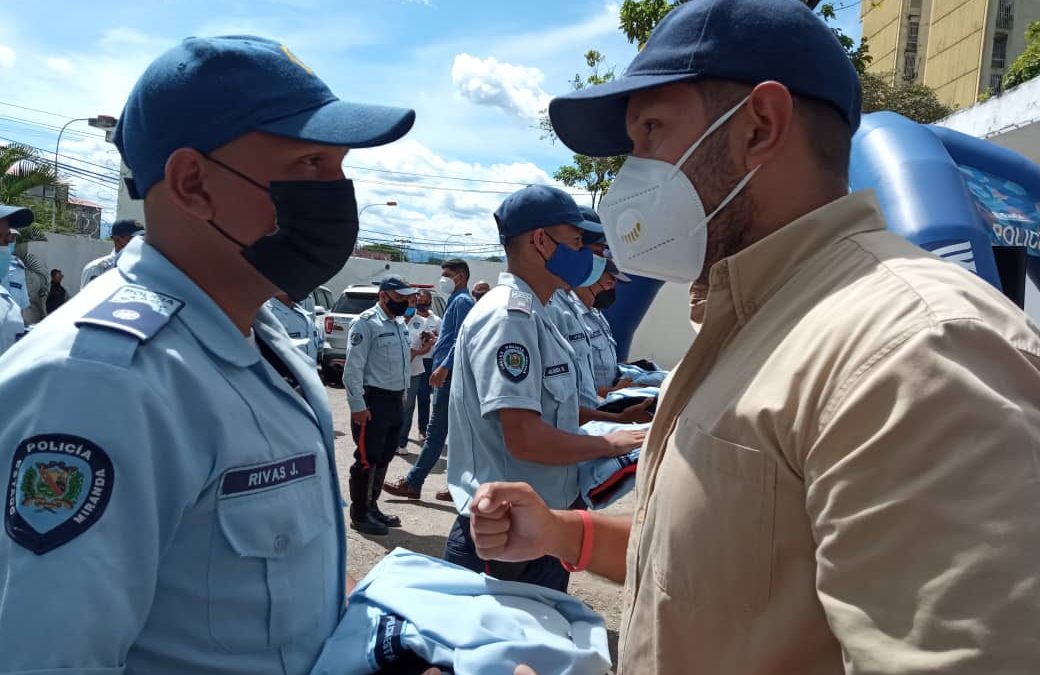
<point>618,400</point>
<point>641,376</point>
<point>411,605</point>
<point>604,481</point>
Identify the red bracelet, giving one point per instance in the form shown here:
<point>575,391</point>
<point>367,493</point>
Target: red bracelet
<point>587,537</point>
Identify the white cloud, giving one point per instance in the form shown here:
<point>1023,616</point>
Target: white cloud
<point>60,65</point>
<point>516,90</point>
<point>7,56</point>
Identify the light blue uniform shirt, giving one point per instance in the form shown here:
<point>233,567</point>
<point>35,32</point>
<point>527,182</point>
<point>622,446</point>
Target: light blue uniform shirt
<point>12,327</point>
<point>509,355</point>
<point>182,513</point>
<point>563,313</point>
<point>604,348</point>
<point>378,355</point>
<point>95,268</point>
<point>298,325</point>
<point>17,284</point>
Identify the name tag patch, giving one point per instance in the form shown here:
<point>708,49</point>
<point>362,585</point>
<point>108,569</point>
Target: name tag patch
<point>260,477</point>
<point>59,486</point>
<point>388,647</point>
<point>558,369</point>
<point>576,337</point>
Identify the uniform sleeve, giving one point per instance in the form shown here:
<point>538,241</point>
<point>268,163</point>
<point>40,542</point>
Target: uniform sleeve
<point>507,364</point>
<point>359,340</point>
<point>922,492</point>
<point>95,483</point>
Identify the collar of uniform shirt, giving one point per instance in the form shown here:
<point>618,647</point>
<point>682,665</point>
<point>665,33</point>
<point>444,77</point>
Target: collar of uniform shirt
<point>142,264</point>
<point>757,271</point>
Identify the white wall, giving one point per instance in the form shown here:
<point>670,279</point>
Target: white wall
<point>665,335</point>
<point>70,254</point>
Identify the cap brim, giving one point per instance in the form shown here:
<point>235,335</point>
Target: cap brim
<point>402,291</point>
<point>621,276</point>
<point>17,216</point>
<point>591,121</point>
<point>353,125</point>
<point>591,226</point>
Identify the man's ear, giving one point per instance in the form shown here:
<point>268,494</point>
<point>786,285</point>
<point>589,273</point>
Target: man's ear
<point>186,171</point>
<point>770,115</point>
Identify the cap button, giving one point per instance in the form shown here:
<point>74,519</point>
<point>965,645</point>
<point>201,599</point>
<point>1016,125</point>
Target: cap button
<point>281,542</point>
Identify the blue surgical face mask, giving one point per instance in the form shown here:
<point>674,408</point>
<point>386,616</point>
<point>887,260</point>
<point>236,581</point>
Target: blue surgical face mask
<point>598,265</point>
<point>409,313</point>
<point>573,266</point>
<point>6,254</point>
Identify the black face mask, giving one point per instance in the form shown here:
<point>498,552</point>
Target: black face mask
<point>317,228</point>
<point>604,299</point>
<point>423,308</point>
<point>396,307</point>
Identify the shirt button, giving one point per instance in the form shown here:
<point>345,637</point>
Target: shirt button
<point>281,542</point>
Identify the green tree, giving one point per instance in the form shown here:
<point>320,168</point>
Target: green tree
<point>23,169</point>
<point>592,174</point>
<point>914,101</point>
<point>395,254</point>
<point>1027,65</point>
<point>639,17</point>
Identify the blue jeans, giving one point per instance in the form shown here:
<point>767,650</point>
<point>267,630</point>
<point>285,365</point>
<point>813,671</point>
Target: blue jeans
<point>436,434</point>
<point>419,389</point>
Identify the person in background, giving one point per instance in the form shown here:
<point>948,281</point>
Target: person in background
<point>16,280</point>
<point>297,323</point>
<point>12,325</point>
<point>57,295</point>
<point>423,328</point>
<point>122,232</point>
<point>454,284</point>
<point>376,375</point>
<point>480,289</point>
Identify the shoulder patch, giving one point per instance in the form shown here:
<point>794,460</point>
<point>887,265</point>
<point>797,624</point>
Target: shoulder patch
<point>356,338</point>
<point>520,301</point>
<point>134,310</point>
<point>514,361</point>
<point>59,487</point>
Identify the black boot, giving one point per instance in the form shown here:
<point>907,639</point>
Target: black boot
<point>361,518</point>
<point>378,476</point>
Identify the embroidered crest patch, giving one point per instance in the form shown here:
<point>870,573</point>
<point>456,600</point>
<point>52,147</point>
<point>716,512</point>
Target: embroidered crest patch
<point>59,486</point>
<point>514,361</point>
<point>356,339</point>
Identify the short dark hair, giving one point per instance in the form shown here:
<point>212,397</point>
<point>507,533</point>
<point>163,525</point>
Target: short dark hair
<point>456,265</point>
<point>55,270</point>
<point>830,138</point>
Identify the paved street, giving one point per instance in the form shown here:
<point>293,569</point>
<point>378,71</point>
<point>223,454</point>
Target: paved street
<point>426,522</point>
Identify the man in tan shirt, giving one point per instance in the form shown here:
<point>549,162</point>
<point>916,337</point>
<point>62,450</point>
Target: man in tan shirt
<point>843,475</point>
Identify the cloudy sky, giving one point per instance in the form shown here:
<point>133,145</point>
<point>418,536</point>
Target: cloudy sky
<point>477,74</point>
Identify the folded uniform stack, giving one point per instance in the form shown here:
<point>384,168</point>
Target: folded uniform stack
<point>604,481</point>
<point>412,611</point>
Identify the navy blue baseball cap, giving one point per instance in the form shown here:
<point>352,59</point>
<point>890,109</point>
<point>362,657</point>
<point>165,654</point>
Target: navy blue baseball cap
<point>538,206</point>
<point>750,41</point>
<point>206,92</point>
<point>397,285</point>
<point>17,216</point>
<point>592,227</point>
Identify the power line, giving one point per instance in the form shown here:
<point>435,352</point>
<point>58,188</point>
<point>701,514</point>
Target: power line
<point>431,175</point>
<point>48,153</point>
<point>414,186</point>
<point>45,112</point>
<point>850,6</point>
<point>75,132</point>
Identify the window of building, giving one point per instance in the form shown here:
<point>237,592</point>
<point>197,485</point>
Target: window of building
<point>996,83</point>
<point>1006,14</point>
<point>999,60</point>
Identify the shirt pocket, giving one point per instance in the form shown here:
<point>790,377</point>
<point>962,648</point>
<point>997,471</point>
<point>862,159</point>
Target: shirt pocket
<point>714,504</point>
<point>268,582</point>
<point>556,391</point>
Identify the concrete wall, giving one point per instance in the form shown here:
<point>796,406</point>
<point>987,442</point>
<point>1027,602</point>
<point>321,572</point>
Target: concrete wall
<point>956,42</point>
<point>881,28</point>
<point>70,254</point>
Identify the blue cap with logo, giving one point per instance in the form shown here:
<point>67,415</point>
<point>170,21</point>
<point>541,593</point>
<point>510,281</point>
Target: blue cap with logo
<point>538,206</point>
<point>749,41</point>
<point>17,216</point>
<point>397,285</point>
<point>206,92</point>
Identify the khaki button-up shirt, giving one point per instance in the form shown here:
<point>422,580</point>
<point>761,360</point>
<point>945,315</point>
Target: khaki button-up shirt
<point>843,475</point>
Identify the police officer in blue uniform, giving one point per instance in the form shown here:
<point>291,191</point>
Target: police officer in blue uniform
<point>123,230</point>
<point>376,375</point>
<point>514,410</point>
<point>183,514</point>
<point>298,324</point>
<point>12,326</point>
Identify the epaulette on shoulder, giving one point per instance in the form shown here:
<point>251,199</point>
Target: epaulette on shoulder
<point>133,310</point>
<point>520,301</point>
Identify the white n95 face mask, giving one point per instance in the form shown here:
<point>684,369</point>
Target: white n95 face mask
<point>654,218</point>
<point>446,286</point>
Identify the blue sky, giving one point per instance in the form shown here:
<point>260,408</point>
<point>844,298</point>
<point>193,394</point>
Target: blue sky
<point>477,74</point>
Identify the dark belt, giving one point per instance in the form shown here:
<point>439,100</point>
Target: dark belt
<point>387,393</point>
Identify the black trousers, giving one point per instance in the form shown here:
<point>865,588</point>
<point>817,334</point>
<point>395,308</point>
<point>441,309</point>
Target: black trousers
<point>376,441</point>
<point>545,571</point>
